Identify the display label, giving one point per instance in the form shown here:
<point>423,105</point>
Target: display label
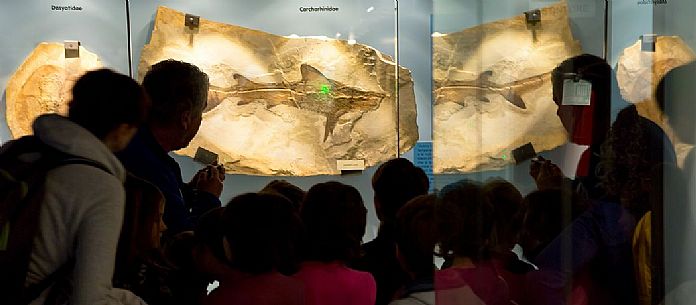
<point>65,8</point>
<point>648,42</point>
<point>319,9</point>
<point>350,165</point>
<point>205,156</point>
<point>423,158</point>
<point>576,9</point>
<point>576,93</point>
<point>652,2</point>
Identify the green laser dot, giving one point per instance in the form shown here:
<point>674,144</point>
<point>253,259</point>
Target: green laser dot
<point>504,157</point>
<point>325,89</point>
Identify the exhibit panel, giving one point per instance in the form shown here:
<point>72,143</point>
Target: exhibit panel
<point>289,105</point>
<point>674,27</point>
<point>645,45</point>
<point>46,47</point>
<point>296,87</point>
<point>493,108</point>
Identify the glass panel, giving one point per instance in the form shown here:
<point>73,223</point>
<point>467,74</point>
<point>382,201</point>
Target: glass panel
<point>99,26</point>
<point>299,86</point>
<point>484,43</point>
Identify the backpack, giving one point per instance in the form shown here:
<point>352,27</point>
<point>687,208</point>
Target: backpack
<point>24,164</point>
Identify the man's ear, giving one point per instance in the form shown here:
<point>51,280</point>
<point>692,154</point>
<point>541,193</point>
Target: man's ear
<point>185,120</point>
<point>228,248</point>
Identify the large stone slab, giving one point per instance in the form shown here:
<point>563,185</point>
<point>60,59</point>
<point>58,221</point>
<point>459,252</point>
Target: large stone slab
<point>42,84</point>
<point>638,72</point>
<point>493,92</point>
<point>289,105</point>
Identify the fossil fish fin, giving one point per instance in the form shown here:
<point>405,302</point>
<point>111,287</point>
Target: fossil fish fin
<point>243,82</point>
<point>484,78</point>
<point>514,98</point>
<point>331,122</point>
<point>312,75</point>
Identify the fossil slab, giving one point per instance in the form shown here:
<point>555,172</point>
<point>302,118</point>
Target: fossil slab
<point>638,72</point>
<point>493,93</point>
<point>42,84</point>
<point>289,105</point>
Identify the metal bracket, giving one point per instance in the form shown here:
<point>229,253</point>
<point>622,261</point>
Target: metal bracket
<point>647,42</point>
<point>72,48</point>
<point>192,21</point>
<point>532,17</point>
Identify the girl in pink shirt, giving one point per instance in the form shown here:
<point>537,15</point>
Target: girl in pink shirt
<point>334,216</point>
<point>464,220</point>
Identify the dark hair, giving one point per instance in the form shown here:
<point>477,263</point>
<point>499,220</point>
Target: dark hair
<point>598,72</point>
<point>587,67</point>
<point>635,145</point>
<point>288,190</point>
<point>263,232</point>
<point>678,83</point>
<point>210,231</point>
<point>179,250</point>
<point>464,220</point>
<point>396,182</point>
<point>175,87</point>
<point>675,95</point>
<point>103,99</point>
<point>141,221</point>
<point>507,204</point>
<point>416,235</point>
<point>335,218</point>
<point>547,213</point>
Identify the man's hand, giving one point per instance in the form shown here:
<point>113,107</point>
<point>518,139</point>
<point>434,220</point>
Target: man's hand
<point>209,179</point>
<point>546,174</point>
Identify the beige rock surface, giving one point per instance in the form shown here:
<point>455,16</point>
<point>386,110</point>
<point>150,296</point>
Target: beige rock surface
<point>288,105</point>
<point>638,74</point>
<point>493,92</point>
<point>42,84</point>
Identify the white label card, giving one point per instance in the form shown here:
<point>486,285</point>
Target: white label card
<point>350,165</point>
<point>576,93</point>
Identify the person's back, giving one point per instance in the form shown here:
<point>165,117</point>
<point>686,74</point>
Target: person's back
<point>261,235</point>
<point>464,219</point>
<point>396,182</point>
<point>416,236</point>
<point>334,217</point>
<point>334,283</point>
<point>263,289</point>
<point>81,214</point>
<point>480,282</point>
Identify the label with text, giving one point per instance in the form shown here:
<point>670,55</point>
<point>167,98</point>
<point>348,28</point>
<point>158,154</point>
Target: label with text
<point>350,165</point>
<point>65,8</point>
<point>319,9</point>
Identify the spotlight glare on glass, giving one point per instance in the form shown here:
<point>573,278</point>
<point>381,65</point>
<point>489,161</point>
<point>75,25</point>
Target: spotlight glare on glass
<point>370,9</point>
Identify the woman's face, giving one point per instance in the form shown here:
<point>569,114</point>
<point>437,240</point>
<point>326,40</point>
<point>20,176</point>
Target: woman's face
<point>160,227</point>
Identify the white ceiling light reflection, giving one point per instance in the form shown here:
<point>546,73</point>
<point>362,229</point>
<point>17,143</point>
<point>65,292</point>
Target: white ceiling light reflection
<point>207,54</point>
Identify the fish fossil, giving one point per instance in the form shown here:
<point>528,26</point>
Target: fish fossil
<point>483,87</point>
<point>314,92</point>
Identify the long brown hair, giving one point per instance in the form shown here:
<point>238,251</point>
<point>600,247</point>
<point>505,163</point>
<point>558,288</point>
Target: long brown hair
<point>140,222</point>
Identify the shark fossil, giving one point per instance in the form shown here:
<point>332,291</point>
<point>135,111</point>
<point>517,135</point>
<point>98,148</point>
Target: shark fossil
<point>483,87</point>
<point>314,92</point>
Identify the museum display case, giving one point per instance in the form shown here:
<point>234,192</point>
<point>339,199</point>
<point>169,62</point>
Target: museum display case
<point>46,46</point>
<point>299,89</point>
<point>493,109</point>
<point>318,90</point>
<point>492,96</point>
